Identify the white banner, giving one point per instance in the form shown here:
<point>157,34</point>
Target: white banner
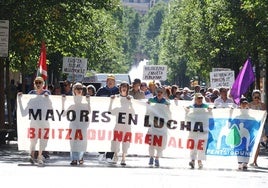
<point>58,123</point>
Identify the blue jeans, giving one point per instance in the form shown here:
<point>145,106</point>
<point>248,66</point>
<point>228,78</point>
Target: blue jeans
<point>76,155</point>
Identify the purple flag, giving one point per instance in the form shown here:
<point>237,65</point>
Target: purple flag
<point>243,81</point>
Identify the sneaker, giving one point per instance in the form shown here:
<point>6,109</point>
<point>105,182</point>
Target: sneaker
<point>244,166</point>
<point>73,163</point>
<point>115,160</point>
<point>31,160</point>
<point>254,164</point>
<point>151,161</point>
<point>123,163</point>
<point>40,162</point>
<point>200,165</point>
<point>81,161</point>
<point>109,160</point>
<point>102,157</point>
<point>191,164</point>
<point>156,163</point>
<point>46,155</point>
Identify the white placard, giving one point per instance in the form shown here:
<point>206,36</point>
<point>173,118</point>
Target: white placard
<point>74,65</point>
<point>222,79</point>
<point>220,69</point>
<point>154,72</point>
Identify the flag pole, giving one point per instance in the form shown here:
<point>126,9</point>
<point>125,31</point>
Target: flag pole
<point>42,64</point>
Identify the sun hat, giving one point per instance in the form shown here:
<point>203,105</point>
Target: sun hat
<point>136,81</point>
<point>39,78</point>
<point>110,76</point>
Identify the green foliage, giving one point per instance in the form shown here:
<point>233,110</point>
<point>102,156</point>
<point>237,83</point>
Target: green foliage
<point>69,28</point>
<point>131,33</point>
<point>150,31</point>
<point>197,36</point>
<point>189,36</point>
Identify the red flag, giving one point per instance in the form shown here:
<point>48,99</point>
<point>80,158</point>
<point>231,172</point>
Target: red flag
<point>42,64</point>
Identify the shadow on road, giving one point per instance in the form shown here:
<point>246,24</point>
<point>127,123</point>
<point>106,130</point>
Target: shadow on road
<point>10,154</point>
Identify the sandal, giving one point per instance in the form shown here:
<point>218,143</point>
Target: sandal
<point>254,164</point>
<point>123,163</point>
<point>74,162</point>
<point>81,161</point>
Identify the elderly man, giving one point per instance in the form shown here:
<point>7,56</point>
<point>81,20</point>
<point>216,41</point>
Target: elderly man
<point>224,101</point>
<point>109,89</point>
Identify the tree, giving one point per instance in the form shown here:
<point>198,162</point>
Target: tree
<point>150,31</point>
<point>69,28</point>
<point>200,35</point>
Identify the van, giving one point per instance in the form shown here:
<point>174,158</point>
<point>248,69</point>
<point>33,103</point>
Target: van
<point>99,79</point>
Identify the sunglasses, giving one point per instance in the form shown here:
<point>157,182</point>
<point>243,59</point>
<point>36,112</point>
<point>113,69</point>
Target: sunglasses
<point>257,97</point>
<point>199,97</point>
<point>79,88</point>
<point>36,83</point>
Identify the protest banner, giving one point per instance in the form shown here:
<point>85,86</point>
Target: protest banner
<point>55,122</point>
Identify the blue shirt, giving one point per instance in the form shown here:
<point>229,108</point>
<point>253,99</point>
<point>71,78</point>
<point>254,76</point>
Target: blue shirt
<point>199,106</point>
<point>107,92</point>
<point>161,101</point>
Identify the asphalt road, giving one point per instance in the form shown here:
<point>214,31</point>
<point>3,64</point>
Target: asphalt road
<point>217,172</point>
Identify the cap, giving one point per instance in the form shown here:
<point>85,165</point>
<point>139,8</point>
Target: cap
<point>110,76</point>
<point>39,78</point>
<point>137,81</point>
<point>186,89</point>
<point>197,95</point>
<point>91,86</point>
<point>256,91</point>
<point>76,85</point>
<point>243,100</point>
<point>160,89</point>
<point>151,83</point>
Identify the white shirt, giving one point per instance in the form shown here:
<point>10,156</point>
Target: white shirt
<point>228,103</point>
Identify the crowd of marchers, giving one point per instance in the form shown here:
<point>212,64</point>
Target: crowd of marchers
<point>151,92</point>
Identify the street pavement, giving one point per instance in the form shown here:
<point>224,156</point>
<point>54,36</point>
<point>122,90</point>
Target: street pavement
<point>173,172</point>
